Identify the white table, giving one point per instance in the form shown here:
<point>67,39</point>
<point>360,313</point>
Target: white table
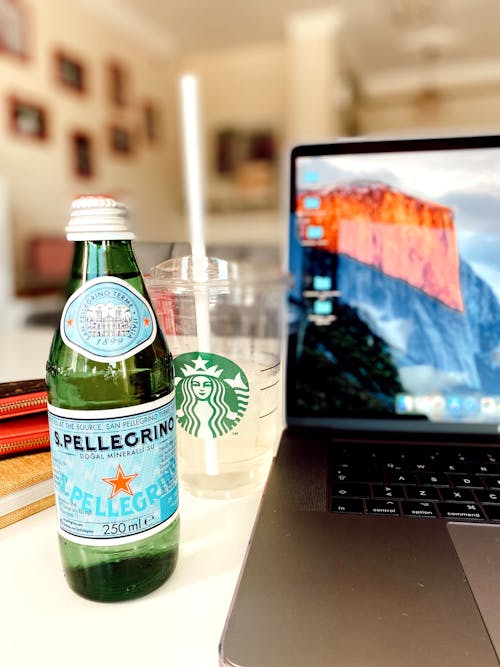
<point>43,623</point>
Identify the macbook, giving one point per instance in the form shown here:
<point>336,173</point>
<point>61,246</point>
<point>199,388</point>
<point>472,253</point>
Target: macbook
<point>377,542</point>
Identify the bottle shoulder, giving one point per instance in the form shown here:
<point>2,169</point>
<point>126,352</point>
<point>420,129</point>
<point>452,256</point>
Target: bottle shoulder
<point>109,350</point>
<point>76,381</point>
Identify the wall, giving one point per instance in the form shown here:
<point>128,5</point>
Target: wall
<point>38,173</point>
<point>449,97</point>
<point>242,87</point>
<point>471,113</point>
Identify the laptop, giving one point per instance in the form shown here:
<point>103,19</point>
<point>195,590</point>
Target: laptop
<point>377,541</point>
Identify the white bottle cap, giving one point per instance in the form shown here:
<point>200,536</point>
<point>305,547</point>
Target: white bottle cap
<point>98,218</point>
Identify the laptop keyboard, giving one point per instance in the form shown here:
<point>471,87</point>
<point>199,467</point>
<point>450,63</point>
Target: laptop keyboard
<point>421,482</point>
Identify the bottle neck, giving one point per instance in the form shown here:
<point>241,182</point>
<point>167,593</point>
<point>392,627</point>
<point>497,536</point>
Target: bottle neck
<point>92,259</point>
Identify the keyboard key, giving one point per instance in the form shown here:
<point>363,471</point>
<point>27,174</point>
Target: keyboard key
<point>351,490</point>
<point>432,479</point>
<point>422,466</point>
<point>422,493</point>
<point>460,457</point>
<point>425,461</point>
<point>393,466</point>
<point>384,491</point>
<point>483,468</point>
<point>422,509</point>
<point>460,511</point>
<point>466,482</point>
<point>492,511</point>
<point>400,477</point>
<point>347,506</point>
<point>352,475</point>
<point>488,495</point>
<point>491,482</point>
<point>382,507</point>
<point>457,495</point>
<point>351,471</point>
<point>457,466</point>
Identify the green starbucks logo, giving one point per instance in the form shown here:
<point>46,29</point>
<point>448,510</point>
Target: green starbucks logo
<point>211,394</point>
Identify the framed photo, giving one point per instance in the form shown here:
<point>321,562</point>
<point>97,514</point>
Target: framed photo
<point>70,72</point>
<point>13,28</point>
<point>236,146</point>
<point>120,140</point>
<point>117,77</point>
<point>27,119</point>
<point>151,122</point>
<point>82,157</point>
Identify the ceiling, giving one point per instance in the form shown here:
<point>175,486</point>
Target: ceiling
<point>385,46</point>
<point>376,34</point>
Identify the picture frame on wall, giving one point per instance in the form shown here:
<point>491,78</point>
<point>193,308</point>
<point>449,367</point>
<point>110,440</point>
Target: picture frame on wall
<point>82,154</point>
<point>27,119</point>
<point>120,138</point>
<point>151,121</point>
<point>236,146</point>
<point>13,40</point>
<point>118,83</point>
<point>70,72</point>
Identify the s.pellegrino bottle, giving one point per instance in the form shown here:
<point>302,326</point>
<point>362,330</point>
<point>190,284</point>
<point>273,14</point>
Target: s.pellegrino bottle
<point>110,385</point>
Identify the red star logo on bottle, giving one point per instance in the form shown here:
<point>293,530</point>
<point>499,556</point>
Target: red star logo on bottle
<point>121,482</point>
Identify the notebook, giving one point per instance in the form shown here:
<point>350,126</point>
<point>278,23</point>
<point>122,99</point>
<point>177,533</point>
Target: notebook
<point>377,542</point>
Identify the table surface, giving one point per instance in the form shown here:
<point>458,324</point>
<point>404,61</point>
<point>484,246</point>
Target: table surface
<point>42,622</point>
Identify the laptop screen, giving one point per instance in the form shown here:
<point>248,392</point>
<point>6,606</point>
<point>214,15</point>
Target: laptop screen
<point>394,312</point>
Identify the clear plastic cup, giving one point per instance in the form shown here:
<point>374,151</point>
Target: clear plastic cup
<point>223,324</point>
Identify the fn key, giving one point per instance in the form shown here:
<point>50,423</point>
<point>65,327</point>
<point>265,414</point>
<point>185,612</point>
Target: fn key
<point>347,506</point>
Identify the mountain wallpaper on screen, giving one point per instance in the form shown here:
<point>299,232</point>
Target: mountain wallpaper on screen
<point>424,321</point>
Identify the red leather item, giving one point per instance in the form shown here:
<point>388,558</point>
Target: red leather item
<point>24,423</point>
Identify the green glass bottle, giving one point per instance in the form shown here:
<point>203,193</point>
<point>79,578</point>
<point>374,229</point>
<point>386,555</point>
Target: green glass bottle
<point>112,417</point>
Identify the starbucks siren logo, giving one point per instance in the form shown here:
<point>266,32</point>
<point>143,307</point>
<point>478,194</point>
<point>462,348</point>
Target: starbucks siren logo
<point>211,394</point>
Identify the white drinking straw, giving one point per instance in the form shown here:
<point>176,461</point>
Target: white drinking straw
<point>193,179</point>
<point>193,170</point>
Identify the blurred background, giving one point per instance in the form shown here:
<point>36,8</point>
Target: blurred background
<point>89,103</point>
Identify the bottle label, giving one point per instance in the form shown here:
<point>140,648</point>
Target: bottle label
<point>107,319</point>
<point>115,471</point>
<point>212,393</point>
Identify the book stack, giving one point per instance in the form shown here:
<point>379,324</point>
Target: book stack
<point>26,484</point>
